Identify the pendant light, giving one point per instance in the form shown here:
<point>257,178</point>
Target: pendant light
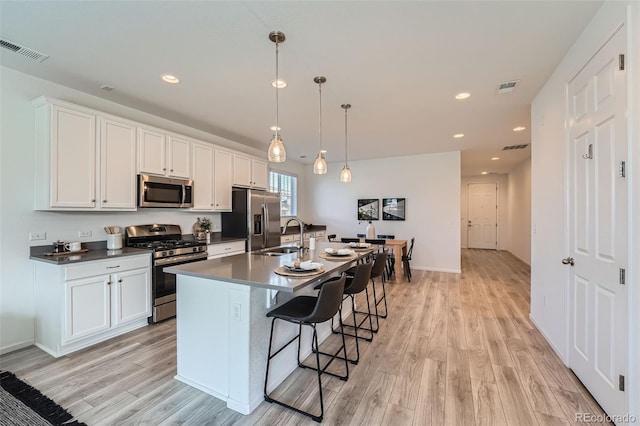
<point>277,153</point>
<point>345,174</point>
<point>320,165</point>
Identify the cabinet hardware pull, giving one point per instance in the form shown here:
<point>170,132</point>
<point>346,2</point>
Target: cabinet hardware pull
<point>109,282</point>
<point>171,170</point>
<point>164,169</point>
<point>113,267</point>
<point>104,201</point>
<point>120,280</point>
<point>93,201</point>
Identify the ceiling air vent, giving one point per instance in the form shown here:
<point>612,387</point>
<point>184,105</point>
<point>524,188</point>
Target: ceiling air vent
<point>509,148</point>
<point>507,87</point>
<point>24,51</point>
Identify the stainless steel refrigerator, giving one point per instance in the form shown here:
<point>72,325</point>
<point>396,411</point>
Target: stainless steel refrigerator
<point>255,216</point>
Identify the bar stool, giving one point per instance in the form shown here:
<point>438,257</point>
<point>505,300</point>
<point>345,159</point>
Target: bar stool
<point>377,271</point>
<point>354,285</point>
<point>331,237</point>
<point>310,311</point>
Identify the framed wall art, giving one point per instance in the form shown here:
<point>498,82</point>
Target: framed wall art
<point>393,208</point>
<point>368,209</point>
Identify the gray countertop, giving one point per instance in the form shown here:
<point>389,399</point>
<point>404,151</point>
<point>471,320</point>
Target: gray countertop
<point>97,251</point>
<point>258,270</point>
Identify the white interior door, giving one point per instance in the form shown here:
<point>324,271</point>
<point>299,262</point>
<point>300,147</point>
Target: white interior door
<point>482,217</point>
<point>596,105</point>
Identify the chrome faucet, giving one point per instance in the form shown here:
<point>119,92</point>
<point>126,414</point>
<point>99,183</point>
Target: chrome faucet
<point>301,225</point>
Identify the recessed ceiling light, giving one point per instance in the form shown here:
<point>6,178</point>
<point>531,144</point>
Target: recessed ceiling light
<point>280,84</point>
<point>172,79</point>
<point>323,151</point>
<point>495,158</point>
<point>484,173</point>
<point>463,95</point>
<point>458,135</point>
<point>274,128</point>
<point>303,156</point>
<point>106,87</point>
<point>519,128</point>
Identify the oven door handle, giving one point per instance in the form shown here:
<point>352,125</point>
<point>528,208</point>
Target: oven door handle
<point>181,259</point>
<point>184,194</point>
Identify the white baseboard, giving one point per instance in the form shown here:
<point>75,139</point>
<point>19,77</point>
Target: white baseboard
<point>519,258</point>
<point>17,346</point>
<point>546,337</point>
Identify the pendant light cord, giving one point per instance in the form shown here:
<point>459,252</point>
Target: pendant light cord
<point>277,89</point>
<point>320,116</point>
<point>345,136</point>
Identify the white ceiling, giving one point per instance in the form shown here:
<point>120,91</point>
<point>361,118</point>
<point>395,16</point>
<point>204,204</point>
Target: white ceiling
<point>398,63</point>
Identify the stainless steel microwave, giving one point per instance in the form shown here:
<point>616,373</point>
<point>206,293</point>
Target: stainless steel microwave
<point>158,191</point>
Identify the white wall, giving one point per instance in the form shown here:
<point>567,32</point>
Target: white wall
<point>431,186</point>
<point>17,218</point>
<point>519,201</point>
<point>548,276</point>
<point>503,207</point>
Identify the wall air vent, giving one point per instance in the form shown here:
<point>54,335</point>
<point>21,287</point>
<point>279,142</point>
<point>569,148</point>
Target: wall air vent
<point>24,51</point>
<point>509,148</point>
<point>507,87</point>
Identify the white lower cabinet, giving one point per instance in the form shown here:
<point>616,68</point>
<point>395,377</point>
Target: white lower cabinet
<point>215,251</point>
<point>85,303</point>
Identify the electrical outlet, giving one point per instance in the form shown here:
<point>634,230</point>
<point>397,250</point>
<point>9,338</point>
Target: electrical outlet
<point>84,234</point>
<point>37,236</point>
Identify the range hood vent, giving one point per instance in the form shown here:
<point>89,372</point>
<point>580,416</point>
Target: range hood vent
<point>510,147</point>
<point>507,87</point>
<point>24,51</point>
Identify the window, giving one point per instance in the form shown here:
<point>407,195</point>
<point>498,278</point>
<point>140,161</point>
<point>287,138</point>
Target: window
<point>287,186</point>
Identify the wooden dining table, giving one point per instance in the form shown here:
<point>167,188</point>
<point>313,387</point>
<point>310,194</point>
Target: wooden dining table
<point>399,248</point>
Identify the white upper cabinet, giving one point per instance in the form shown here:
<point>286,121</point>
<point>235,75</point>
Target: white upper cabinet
<point>203,176</point>
<point>223,170</point>
<point>249,172</point>
<point>79,167</point>
<point>117,164</point>
<point>162,154</point>
<point>212,170</point>
<point>179,157</point>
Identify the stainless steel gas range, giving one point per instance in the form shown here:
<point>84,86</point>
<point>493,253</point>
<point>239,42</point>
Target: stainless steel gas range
<point>169,249</point>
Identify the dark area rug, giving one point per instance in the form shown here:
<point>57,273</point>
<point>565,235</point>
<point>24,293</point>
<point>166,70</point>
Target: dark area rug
<point>22,404</point>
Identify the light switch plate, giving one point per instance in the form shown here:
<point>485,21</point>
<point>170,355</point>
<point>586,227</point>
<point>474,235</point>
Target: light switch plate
<point>84,234</point>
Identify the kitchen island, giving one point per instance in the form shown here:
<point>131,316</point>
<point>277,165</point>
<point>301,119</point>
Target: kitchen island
<point>222,329</point>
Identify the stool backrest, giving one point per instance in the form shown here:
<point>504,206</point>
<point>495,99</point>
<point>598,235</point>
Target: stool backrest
<point>360,279</point>
<point>375,241</point>
<point>361,235</point>
<point>350,240</point>
<point>378,265</point>
<point>329,301</point>
<point>331,237</point>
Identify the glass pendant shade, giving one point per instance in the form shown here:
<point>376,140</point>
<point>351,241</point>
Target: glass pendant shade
<point>320,165</point>
<point>277,153</point>
<point>345,174</point>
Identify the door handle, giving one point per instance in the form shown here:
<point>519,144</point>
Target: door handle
<point>568,261</point>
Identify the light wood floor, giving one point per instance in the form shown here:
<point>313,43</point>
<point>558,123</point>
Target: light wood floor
<point>455,350</point>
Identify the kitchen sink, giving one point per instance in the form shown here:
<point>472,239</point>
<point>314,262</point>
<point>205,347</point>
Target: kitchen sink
<point>277,251</point>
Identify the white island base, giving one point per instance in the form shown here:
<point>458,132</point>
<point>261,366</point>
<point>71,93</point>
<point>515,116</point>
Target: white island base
<point>223,338</point>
